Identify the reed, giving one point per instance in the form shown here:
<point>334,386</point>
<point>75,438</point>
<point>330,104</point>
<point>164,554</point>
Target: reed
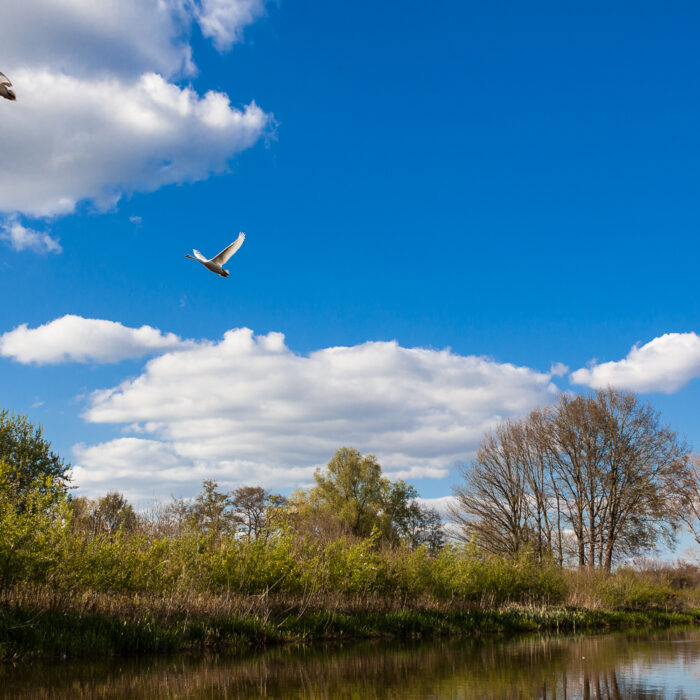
<point>42,621</point>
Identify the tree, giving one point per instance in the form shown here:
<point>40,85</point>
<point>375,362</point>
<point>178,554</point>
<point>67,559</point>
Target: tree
<point>174,517</point>
<point>688,499</point>
<point>423,526</point>
<point>352,495</point>
<point>601,465</point>
<point>32,525</point>
<point>398,511</point>
<point>28,454</point>
<point>106,515</point>
<point>256,510</point>
<point>617,469</point>
<point>353,489</point>
<point>212,510</point>
<point>492,507</point>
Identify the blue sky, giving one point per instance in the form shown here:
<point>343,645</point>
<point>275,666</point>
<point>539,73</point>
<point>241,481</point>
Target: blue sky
<point>460,195</point>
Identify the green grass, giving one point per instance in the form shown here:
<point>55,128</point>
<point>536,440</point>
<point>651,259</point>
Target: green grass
<point>44,623</point>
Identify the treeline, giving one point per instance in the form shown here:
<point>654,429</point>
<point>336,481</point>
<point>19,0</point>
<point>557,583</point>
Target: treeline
<point>351,499</point>
<point>355,532</point>
<point>585,482</point>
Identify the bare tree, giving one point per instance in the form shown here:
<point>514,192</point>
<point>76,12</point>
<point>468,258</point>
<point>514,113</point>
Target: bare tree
<point>254,508</point>
<point>174,517</point>
<point>687,497</point>
<point>492,507</point>
<point>526,437</point>
<point>572,445</point>
<point>616,468</point>
<point>602,466</point>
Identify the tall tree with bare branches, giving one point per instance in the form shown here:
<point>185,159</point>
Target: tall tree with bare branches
<point>601,465</point>
<point>491,507</point>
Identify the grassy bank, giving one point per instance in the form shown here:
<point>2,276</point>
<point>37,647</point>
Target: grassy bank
<point>36,621</point>
<point>68,588</point>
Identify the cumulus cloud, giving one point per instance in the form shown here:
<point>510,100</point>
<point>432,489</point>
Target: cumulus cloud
<point>665,364</point>
<point>118,37</point>
<point>108,137</point>
<point>97,114</point>
<point>76,339</point>
<point>249,410</point>
<point>143,469</point>
<point>22,238</point>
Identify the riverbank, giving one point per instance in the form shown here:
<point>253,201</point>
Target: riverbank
<point>44,623</point>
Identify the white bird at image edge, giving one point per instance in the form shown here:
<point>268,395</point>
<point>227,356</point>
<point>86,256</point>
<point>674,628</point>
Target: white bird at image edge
<point>6,88</point>
<point>218,261</point>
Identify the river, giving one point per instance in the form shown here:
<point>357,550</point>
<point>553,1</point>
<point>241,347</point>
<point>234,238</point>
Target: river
<point>663,664</point>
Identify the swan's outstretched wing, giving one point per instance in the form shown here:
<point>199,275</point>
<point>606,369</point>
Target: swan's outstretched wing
<point>199,256</point>
<point>226,253</point>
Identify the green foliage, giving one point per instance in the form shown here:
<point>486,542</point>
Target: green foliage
<point>28,454</point>
<point>128,562</point>
<point>213,511</point>
<point>108,514</point>
<point>33,525</point>
<point>353,490</point>
<point>627,590</point>
<point>353,493</point>
<point>461,574</point>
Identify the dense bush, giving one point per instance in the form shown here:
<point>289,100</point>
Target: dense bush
<point>132,562</point>
<point>33,526</point>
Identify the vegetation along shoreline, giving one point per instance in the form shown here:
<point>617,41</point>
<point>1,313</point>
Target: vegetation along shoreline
<point>42,624</point>
<point>549,529</point>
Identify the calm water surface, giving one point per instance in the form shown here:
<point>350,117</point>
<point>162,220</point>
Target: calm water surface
<point>659,665</point>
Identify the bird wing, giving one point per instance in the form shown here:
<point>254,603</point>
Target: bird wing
<point>227,252</point>
<point>199,256</point>
<point>4,80</point>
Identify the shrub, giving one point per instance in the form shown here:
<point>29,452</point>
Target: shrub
<point>33,526</point>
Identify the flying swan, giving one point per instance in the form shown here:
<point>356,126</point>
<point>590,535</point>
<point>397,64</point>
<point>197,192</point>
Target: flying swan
<point>6,90</point>
<point>216,264</point>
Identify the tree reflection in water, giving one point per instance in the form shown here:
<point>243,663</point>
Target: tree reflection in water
<point>656,665</point>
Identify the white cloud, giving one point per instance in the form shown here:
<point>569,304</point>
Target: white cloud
<point>141,468</point>
<point>97,115</point>
<point>76,339</point>
<point>558,369</point>
<point>665,364</point>
<point>117,37</point>
<point>21,238</point>
<point>107,137</point>
<point>223,20</point>
<point>441,504</point>
<point>249,410</point>
<point>84,37</point>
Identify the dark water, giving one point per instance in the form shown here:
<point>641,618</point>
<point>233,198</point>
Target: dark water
<point>658,665</point>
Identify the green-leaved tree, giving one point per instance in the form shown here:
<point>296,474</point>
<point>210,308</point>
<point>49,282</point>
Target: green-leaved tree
<point>32,528</point>
<point>28,455</point>
<point>353,492</point>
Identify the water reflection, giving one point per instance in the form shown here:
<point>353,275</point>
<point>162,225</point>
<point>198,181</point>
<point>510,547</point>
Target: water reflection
<point>659,665</point>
